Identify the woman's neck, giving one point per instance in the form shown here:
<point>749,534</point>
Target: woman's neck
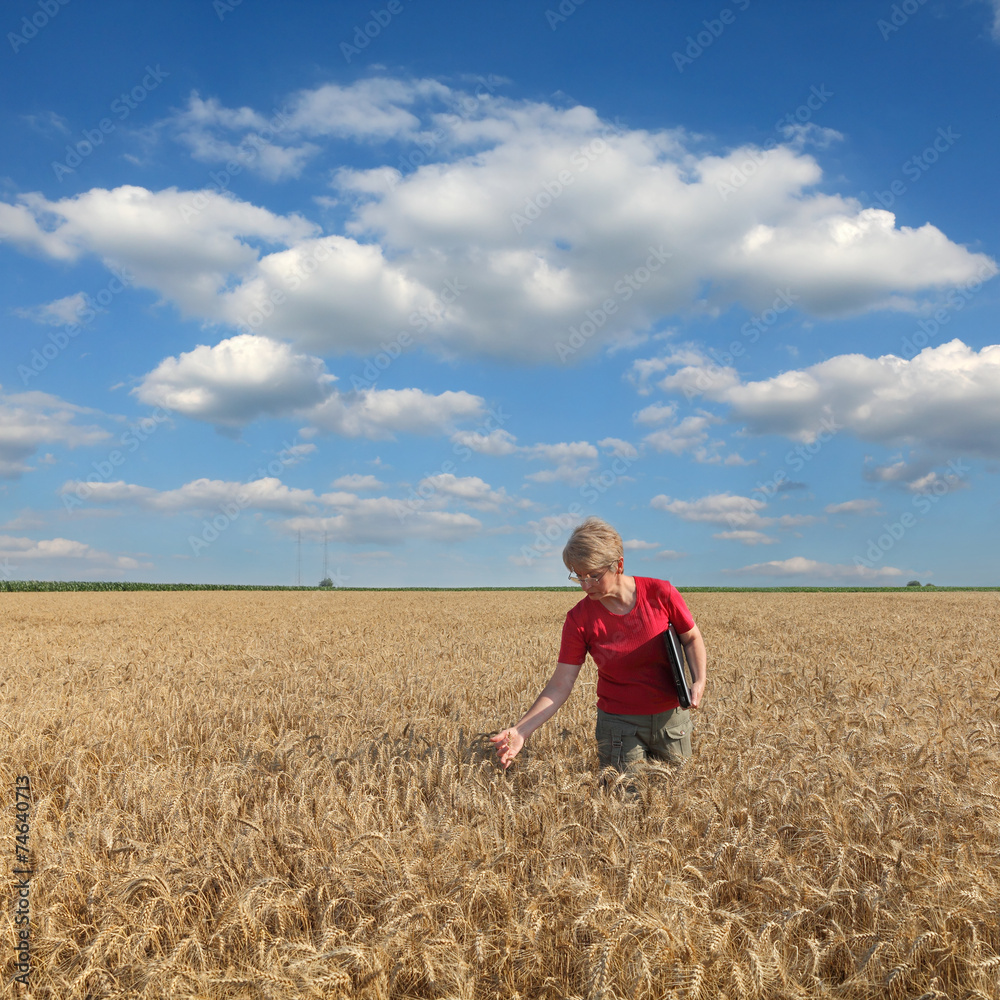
<point>621,598</point>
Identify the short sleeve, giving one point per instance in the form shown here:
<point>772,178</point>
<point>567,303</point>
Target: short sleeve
<point>573,647</point>
<point>680,617</point>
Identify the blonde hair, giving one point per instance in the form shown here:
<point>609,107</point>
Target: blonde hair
<point>593,544</point>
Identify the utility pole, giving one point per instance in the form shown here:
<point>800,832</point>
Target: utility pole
<point>325,573</point>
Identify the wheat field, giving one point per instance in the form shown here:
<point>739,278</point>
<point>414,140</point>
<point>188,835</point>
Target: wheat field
<point>290,795</point>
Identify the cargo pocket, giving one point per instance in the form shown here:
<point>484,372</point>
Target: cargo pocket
<point>617,743</point>
<point>673,741</point>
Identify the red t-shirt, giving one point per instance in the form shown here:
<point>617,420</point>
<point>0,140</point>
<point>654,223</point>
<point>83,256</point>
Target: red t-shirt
<point>632,672</point>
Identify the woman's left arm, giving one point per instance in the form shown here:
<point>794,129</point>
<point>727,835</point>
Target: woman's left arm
<point>694,650</point>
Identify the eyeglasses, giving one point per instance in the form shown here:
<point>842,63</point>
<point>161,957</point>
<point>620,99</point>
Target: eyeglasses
<point>587,579</point>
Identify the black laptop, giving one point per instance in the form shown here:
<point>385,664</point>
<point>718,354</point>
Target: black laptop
<point>676,662</point>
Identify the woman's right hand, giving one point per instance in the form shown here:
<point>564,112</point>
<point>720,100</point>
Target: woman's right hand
<point>508,745</point>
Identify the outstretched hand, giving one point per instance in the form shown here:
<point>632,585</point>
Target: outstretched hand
<point>508,745</point>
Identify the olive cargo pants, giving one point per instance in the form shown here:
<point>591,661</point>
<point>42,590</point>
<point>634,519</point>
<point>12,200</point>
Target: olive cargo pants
<point>626,740</point>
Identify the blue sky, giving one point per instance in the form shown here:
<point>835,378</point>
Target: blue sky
<point>423,285</point>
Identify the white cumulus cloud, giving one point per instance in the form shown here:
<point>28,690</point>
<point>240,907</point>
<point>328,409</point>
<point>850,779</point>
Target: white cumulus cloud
<point>29,420</point>
<point>247,377</point>
<point>356,481</point>
<point>747,537</point>
<point>571,461</point>
<point>236,381</point>
<point>470,490</point>
<point>63,555</point>
<point>524,224</point>
<point>685,435</point>
<point>638,545</point>
<point>944,400</point>
<point>58,313</point>
<point>853,507</point>
<point>197,496</point>
<point>718,508</point>
<point>496,442</point>
<point>382,413</point>
<point>811,568</point>
<point>384,521</point>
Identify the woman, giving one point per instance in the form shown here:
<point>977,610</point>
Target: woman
<point>620,623</point>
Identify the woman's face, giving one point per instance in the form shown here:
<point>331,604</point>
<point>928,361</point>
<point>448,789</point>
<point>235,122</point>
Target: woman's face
<point>599,581</point>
